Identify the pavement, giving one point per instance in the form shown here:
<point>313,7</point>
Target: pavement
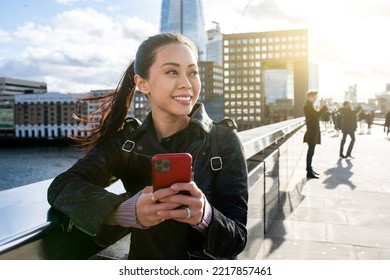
<point>344,215</point>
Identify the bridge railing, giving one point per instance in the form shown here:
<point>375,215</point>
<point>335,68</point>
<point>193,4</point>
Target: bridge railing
<point>30,229</point>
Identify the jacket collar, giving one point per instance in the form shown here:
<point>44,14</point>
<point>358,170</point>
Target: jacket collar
<point>198,116</point>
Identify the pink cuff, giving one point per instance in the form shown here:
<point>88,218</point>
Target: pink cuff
<point>207,217</point>
<point>125,215</point>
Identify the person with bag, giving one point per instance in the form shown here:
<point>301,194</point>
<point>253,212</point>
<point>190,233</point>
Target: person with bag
<point>208,223</point>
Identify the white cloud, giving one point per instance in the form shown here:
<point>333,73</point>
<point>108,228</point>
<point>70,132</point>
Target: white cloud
<point>4,36</point>
<point>113,8</point>
<point>82,50</point>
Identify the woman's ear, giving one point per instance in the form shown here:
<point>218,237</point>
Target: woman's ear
<point>141,84</point>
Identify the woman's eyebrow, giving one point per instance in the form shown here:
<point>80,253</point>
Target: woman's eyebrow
<point>177,64</point>
<point>171,64</point>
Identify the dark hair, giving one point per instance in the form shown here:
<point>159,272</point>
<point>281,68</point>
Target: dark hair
<point>108,118</point>
<point>311,93</point>
<point>346,104</point>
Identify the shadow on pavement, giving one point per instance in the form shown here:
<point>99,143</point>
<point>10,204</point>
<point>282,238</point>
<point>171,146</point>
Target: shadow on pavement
<point>339,175</point>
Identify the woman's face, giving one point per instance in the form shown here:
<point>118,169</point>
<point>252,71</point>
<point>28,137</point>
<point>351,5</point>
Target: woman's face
<point>173,86</point>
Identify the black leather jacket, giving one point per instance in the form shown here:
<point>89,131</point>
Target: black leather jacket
<point>80,192</point>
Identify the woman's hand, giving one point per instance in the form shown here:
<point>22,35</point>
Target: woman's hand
<point>147,209</point>
<point>194,202</point>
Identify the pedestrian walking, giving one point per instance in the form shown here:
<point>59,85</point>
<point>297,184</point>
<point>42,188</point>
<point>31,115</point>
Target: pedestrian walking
<point>313,135</point>
<point>348,127</point>
<point>336,117</point>
<point>387,124</point>
<point>370,121</point>
<point>326,119</point>
<point>362,121</point>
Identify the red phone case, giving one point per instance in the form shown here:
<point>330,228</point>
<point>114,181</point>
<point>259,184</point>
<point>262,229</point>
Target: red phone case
<point>168,169</point>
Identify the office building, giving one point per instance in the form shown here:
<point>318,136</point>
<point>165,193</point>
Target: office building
<point>278,85</point>
<point>280,110</point>
<point>140,107</point>
<point>246,57</point>
<point>211,95</point>
<point>351,94</point>
<point>185,17</point>
<point>214,44</point>
<point>48,115</point>
<point>9,88</point>
<point>383,100</point>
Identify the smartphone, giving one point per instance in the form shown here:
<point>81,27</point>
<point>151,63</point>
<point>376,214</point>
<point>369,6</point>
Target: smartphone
<point>168,169</point>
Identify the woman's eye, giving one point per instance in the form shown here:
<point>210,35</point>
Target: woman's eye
<point>172,72</point>
<point>194,73</point>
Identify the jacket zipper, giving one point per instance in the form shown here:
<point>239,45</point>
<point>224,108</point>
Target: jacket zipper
<point>71,225</point>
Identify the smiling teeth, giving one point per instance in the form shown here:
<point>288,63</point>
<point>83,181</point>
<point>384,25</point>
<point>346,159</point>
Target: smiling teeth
<point>179,98</point>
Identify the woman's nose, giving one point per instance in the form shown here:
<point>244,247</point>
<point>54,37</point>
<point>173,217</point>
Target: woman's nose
<point>184,82</point>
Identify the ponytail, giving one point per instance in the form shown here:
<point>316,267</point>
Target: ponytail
<point>109,117</point>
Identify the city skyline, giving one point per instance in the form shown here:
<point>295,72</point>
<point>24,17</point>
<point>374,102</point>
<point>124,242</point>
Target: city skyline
<point>43,40</point>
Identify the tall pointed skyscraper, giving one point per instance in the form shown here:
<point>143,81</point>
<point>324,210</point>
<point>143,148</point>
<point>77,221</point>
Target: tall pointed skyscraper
<point>185,17</point>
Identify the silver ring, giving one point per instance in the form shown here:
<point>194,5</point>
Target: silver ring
<point>188,212</point>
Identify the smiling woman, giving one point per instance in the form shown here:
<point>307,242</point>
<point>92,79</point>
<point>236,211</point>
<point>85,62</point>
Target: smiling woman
<point>204,218</point>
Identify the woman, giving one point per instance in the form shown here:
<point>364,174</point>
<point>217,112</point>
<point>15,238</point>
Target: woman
<point>211,222</point>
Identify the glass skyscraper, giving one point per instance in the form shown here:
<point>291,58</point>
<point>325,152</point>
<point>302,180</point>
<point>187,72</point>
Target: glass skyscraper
<point>185,17</point>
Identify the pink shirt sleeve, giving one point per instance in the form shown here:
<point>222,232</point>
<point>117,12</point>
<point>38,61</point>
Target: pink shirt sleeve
<point>207,218</point>
<point>125,215</point>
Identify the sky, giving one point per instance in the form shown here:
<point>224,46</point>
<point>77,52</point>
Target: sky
<point>81,45</point>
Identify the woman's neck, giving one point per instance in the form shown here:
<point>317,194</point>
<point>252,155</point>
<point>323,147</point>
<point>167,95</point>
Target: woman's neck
<point>167,125</point>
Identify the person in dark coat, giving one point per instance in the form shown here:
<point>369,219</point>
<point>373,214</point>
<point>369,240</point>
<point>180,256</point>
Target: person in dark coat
<point>209,222</point>
<point>313,134</point>
<point>348,127</point>
<point>387,124</point>
<point>370,121</point>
